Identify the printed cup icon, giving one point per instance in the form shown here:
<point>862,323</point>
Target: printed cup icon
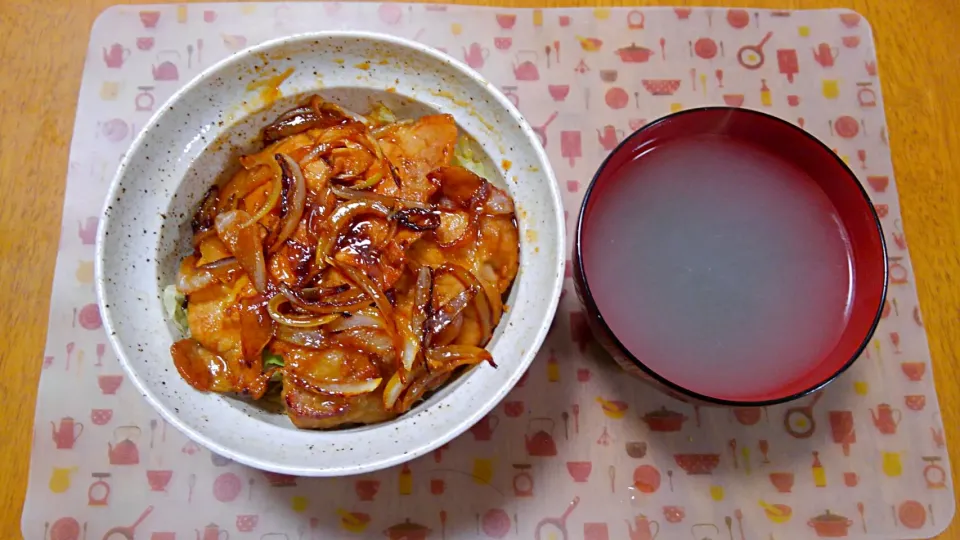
<point>367,489</point>
<point>579,470</point>
<point>149,18</point>
<point>879,183</point>
<point>109,384</point>
<point>158,480</point>
<point>437,486</point>
<point>101,417</point>
<point>145,43</point>
<point>247,522</point>
<point>209,15</point>
<point>851,479</point>
<point>674,514</point>
<point>506,21</point>
<point>913,370</point>
<point>783,481</point>
<point>583,375</point>
<point>915,402</point>
<point>513,409</point>
<point>503,43</point>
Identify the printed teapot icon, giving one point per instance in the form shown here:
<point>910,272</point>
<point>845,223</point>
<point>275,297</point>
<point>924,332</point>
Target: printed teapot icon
<point>67,434</point>
<point>115,56</point>
<point>541,443</point>
<point>125,452</point>
<point>166,70</point>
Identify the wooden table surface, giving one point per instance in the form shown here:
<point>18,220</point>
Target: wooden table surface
<point>42,43</point>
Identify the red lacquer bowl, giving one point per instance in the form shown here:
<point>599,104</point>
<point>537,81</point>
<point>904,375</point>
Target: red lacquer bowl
<point>798,149</point>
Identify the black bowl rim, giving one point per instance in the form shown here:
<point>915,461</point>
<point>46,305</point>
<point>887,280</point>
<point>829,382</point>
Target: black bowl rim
<point>588,296</point>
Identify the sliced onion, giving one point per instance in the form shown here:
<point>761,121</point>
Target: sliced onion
<point>201,368</point>
<point>340,218</point>
<point>390,202</point>
<point>256,330</point>
<point>243,241</point>
<point>289,123</point>
<point>296,321</point>
<point>450,357</point>
<point>418,219</point>
<point>414,340</point>
<point>482,302</point>
<point>350,300</point>
<point>294,199</point>
<point>419,388</point>
<point>275,192</point>
<point>445,314</point>
<point>392,391</point>
<point>361,319</point>
<point>369,340</point>
<point>373,291</point>
<point>336,388</point>
<point>498,203</point>
<point>192,278</point>
<point>448,334</point>
<point>309,338</point>
<point>207,212</point>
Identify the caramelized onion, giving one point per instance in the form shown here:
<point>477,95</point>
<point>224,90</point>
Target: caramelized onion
<point>390,202</point>
<point>418,219</point>
<point>373,291</point>
<point>392,391</point>
<point>450,357</point>
<point>360,319</point>
<point>201,368</point>
<point>243,241</point>
<point>203,219</point>
<point>414,339</point>
<point>340,218</point>
<point>296,321</point>
<point>349,300</point>
<point>482,302</point>
<point>369,340</point>
<point>445,314</point>
<point>275,192</point>
<point>192,278</point>
<point>303,337</point>
<point>256,330</point>
<point>336,388</point>
<point>294,198</point>
<point>419,388</point>
<point>498,203</point>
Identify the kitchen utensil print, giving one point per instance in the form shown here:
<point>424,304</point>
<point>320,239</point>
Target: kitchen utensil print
<point>799,421</point>
<point>570,146</point>
<point>788,63</point>
<point>541,130</point>
<point>751,56</point>
<point>127,532</point>
<point>558,524</point>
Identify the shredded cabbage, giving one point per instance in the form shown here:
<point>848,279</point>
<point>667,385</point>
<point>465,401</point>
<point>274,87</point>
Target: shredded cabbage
<point>463,156</point>
<point>381,114</point>
<point>175,304</point>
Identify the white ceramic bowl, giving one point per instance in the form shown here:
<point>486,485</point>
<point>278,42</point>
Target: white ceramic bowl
<point>145,231</point>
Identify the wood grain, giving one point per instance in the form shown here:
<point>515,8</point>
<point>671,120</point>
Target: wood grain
<point>42,43</point>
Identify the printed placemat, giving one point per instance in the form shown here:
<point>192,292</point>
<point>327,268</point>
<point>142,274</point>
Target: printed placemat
<point>578,450</point>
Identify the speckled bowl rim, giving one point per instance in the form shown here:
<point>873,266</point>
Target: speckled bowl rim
<point>441,435</point>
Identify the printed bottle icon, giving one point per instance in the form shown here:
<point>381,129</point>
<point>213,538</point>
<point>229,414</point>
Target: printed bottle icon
<point>553,368</point>
<point>406,481</point>
<point>819,473</point>
<point>765,98</point>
